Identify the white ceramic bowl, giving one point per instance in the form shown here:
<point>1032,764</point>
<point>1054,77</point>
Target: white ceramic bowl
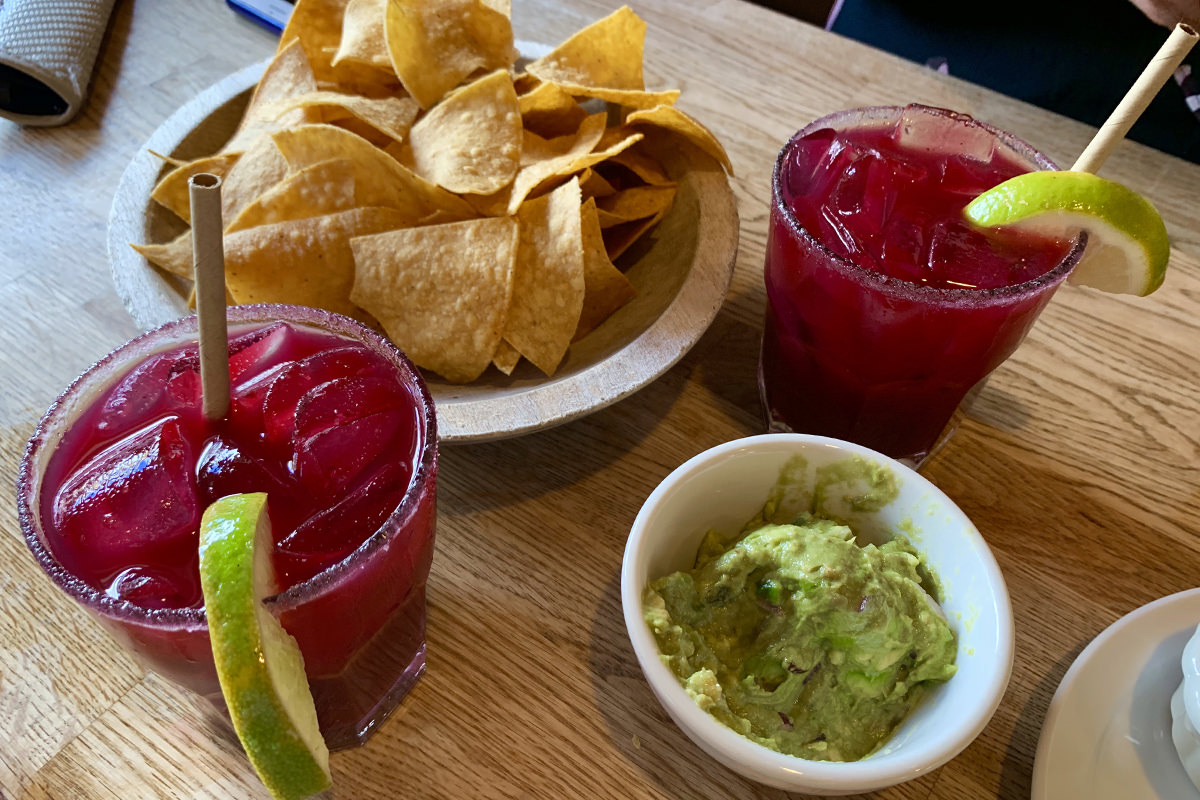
<point>724,487</point>
<point>1185,710</point>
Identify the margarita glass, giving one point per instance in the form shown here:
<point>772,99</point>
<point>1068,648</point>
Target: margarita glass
<point>330,419</point>
<point>884,308</point>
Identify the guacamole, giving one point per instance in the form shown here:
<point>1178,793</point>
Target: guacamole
<point>801,640</point>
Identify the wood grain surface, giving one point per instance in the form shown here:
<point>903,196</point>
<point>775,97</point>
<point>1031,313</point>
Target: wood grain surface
<point>1079,463</point>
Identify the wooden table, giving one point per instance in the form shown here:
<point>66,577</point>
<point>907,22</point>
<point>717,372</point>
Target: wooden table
<point>1080,463</point>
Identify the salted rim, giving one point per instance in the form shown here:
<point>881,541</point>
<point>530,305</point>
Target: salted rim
<point>900,287</point>
<point>425,470</point>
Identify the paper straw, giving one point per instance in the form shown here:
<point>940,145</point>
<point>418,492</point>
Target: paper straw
<point>208,255</point>
<point>1160,68</point>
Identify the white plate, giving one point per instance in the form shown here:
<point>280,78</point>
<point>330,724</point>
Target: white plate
<point>681,270</point>
<point>1107,735</point>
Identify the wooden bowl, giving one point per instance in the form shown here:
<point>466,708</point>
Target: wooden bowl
<point>681,269</point>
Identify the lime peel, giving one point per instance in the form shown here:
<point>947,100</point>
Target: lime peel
<point>259,664</point>
<point>1127,246</point>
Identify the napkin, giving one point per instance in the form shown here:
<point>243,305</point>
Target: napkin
<point>47,50</point>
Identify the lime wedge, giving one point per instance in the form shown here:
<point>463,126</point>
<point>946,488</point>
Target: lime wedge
<point>1127,248</point>
<point>258,663</point>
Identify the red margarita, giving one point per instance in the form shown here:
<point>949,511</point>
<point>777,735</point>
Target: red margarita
<point>333,423</point>
<point>885,307</point>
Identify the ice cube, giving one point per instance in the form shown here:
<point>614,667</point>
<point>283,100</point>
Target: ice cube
<point>969,177</point>
<point>334,533</point>
<point>247,398</point>
<point>837,235</point>
<point>344,400</point>
<point>808,160</point>
<point>846,196</point>
<point>255,351</point>
<point>842,154</point>
<point>134,500</point>
<point>343,362</point>
<point>155,588</point>
<point>298,378</point>
<point>903,248</point>
<point>329,461</point>
<point>225,468</point>
<point>888,174</point>
<point>136,395</point>
<point>185,391</point>
<point>943,132</point>
<point>953,252</point>
<point>151,387</point>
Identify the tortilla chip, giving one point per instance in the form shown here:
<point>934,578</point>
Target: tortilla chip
<point>435,44</point>
<point>672,119</point>
<point>525,83</point>
<point>630,98</point>
<point>386,182</point>
<point>506,357</point>
<point>174,257</point>
<point>645,167</point>
<point>606,54</point>
<point>362,41</point>
<point>470,142</point>
<point>542,159</point>
<point>317,26</point>
<point>548,281</point>
<point>603,61</point>
<point>637,202</point>
<point>491,205</point>
<point>605,287</point>
<point>543,162</point>
<point>618,238</point>
<point>529,182</point>
<point>306,262</point>
<point>172,191</point>
<point>288,75</point>
<point>324,188</point>
<point>613,135</point>
<point>389,162</point>
<point>171,160</point>
<point>593,184</point>
<point>260,167</point>
<point>447,319</point>
<point>392,116</point>
<point>364,131</point>
<point>549,111</point>
<point>534,148</point>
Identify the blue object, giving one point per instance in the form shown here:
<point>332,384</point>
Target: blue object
<point>271,14</point>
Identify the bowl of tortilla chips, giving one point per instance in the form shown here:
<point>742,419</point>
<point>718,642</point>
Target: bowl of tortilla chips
<point>539,232</point>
